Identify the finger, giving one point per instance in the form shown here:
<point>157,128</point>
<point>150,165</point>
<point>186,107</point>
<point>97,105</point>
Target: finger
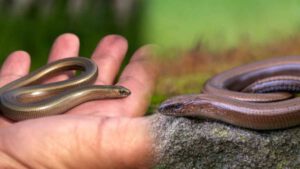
<point>15,66</point>
<point>66,45</point>
<point>109,55</point>
<point>139,77</point>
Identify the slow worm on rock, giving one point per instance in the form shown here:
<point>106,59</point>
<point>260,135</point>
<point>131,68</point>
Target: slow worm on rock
<point>258,96</point>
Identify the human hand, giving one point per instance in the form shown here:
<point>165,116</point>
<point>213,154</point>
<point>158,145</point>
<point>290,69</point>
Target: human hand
<point>109,54</point>
<point>94,134</point>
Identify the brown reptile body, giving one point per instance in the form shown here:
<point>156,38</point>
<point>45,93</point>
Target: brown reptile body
<point>26,98</point>
<point>257,96</point>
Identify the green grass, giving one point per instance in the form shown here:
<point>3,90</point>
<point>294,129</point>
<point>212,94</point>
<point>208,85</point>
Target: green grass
<point>219,23</point>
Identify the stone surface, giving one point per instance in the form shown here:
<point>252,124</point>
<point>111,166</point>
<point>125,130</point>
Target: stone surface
<point>190,143</point>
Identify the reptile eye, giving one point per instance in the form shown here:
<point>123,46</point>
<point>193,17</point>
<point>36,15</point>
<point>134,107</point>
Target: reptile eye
<point>171,108</point>
<point>124,92</point>
<point>176,106</point>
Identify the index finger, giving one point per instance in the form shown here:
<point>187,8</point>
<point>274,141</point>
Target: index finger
<point>66,45</point>
<point>19,62</point>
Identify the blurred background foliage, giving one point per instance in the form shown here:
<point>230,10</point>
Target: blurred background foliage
<point>33,25</point>
<point>220,23</point>
<point>198,37</point>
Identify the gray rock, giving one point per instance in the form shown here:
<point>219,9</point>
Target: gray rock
<point>190,143</point>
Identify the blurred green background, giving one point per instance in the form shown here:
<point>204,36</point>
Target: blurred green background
<point>175,25</point>
<point>219,23</point>
<point>32,25</point>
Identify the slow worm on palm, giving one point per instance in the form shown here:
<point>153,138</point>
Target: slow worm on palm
<point>26,98</point>
<point>258,96</point>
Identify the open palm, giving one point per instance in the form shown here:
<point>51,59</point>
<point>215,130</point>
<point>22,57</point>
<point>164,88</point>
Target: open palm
<point>108,55</point>
<point>97,134</point>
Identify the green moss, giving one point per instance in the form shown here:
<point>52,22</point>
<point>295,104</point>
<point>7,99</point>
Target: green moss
<point>242,138</point>
<point>281,164</point>
<point>220,132</point>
